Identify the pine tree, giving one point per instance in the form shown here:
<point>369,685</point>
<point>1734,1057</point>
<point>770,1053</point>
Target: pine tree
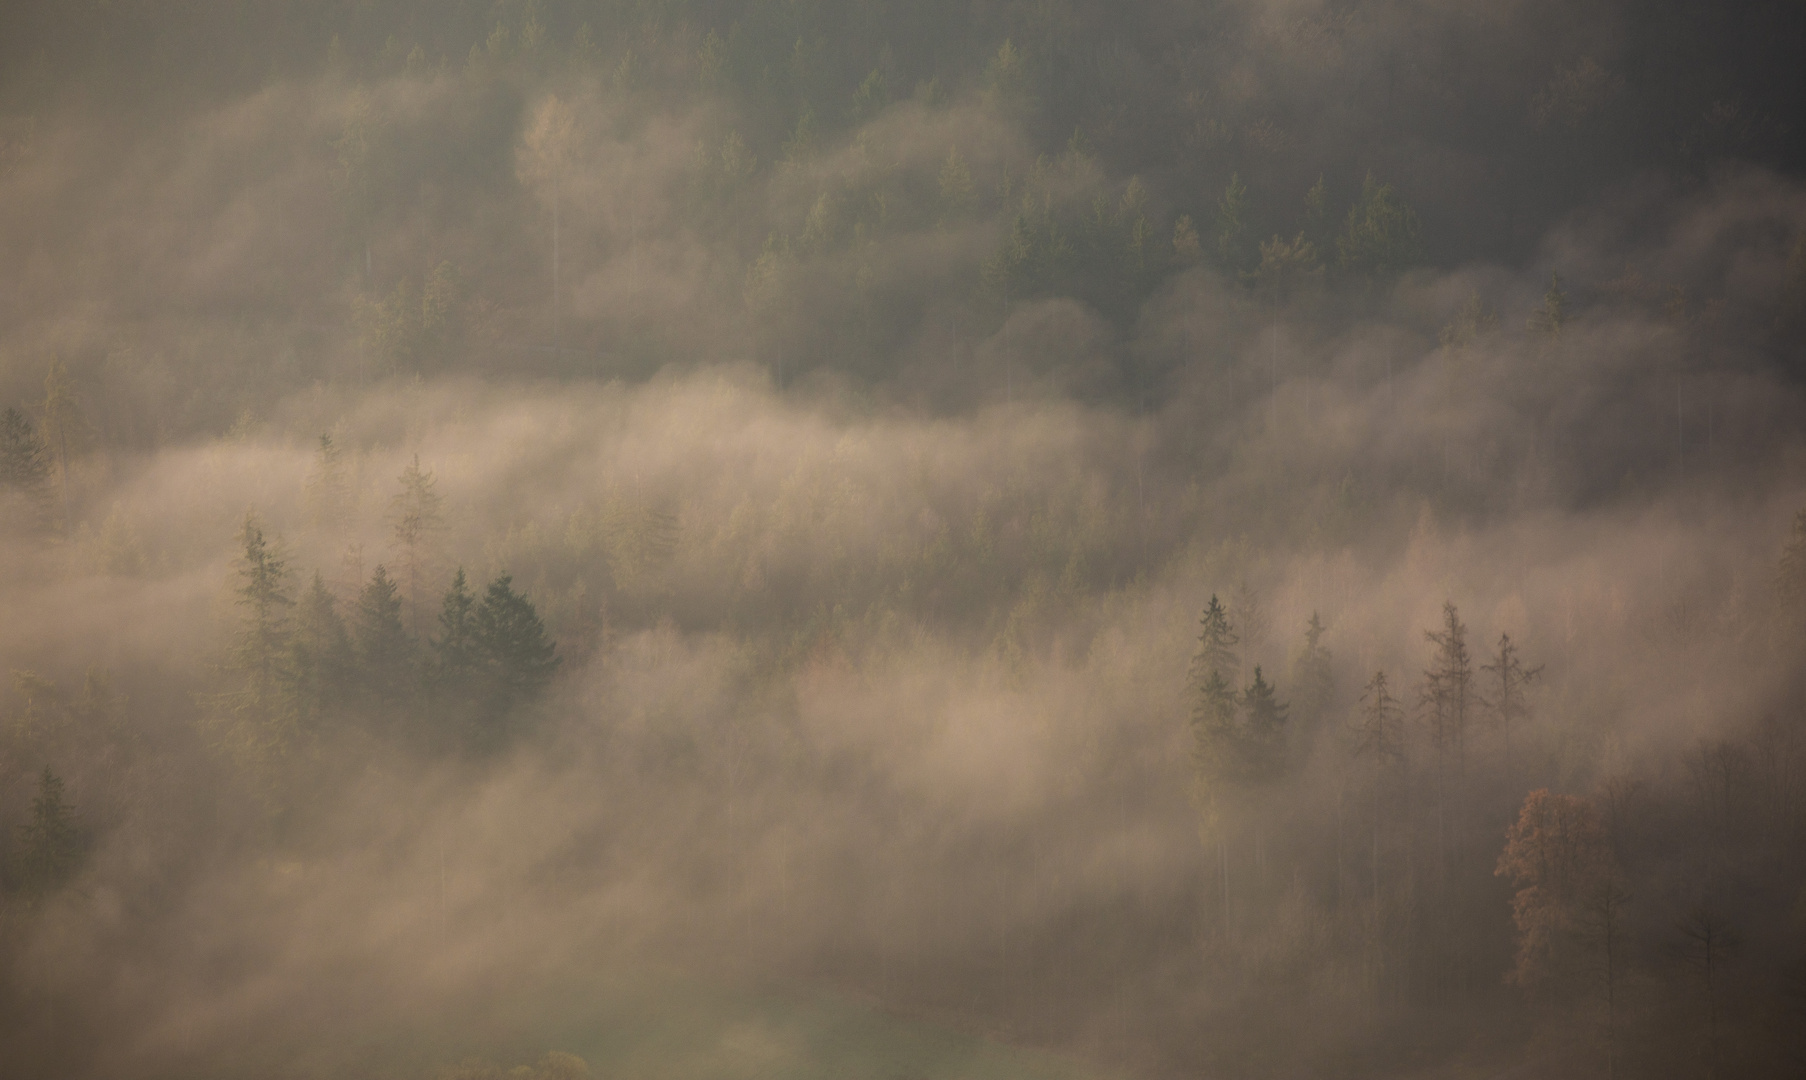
<point>321,664</point>
<point>1509,677</point>
<point>1380,239</point>
<point>517,657</point>
<point>1553,315</point>
<point>63,427</point>
<point>956,184</point>
<point>262,645</point>
<point>1264,731</point>
<point>51,841</point>
<point>417,516</point>
<point>1216,644</point>
<point>328,488</point>
<point>1313,682</point>
<point>385,652</point>
<point>1446,695</point>
<point>24,474</point>
<point>1232,226</point>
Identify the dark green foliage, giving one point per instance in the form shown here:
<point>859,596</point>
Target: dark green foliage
<point>1216,643</point>
<point>1313,685</point>
<point>455,655</point>
<point>1381,238</point>
<point>385,653</point>
<point>24,475</point>
<point>321,664</point>
<point>262,644</point>
<point>1234,243</point>
<point>1264,731</point>
<point>50,843</point>
<point>518,659</point>
<point>1553,315</point>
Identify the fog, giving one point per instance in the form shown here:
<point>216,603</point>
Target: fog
<point>868,403</point>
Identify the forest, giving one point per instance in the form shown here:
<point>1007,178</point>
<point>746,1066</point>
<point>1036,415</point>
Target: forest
<point>962,540</point>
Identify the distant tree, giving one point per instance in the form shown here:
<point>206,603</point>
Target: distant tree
<point>956,184</point>
<point>1313,683</point>
<point>1264,731</point>
<point>1379,738</point>
<point>328,490</point>
<point>1509,677</point>
<point>417,517</point>
<point>321,664</point>
<point>1705,941</point>
<point>1379,733</point>
<point>1549,319</point>
<point>1186,249</point>
<point>1603,925</point>
<point>1446,696</point>
<point>1474,320</point>
<point>1217,640</point>
<point>1380,239</point>
<point>1313,224</point>
<point>24,474</point>
<point>50,843</point>
<point>385,652</point>
<point>1233,246</point>
<point>455,655</point>
<point>62,425</point>
<point>1556,854</point>
<point>869,100</point>
<point>262,645</point>
<point>1006,78</point>
<point>517,657</point>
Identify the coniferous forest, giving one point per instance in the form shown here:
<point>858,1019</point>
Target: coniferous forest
<point>1043,539</point>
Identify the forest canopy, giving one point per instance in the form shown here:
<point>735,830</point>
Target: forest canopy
<point>1235,538</point>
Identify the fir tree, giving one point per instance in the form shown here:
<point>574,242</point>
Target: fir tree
<point>1264,731</point>
<point>1216,644</point>
<point>1380,239</point>
<point>50,842</point>
<point>385,652</point>
<point>262,645</point>
<point>518,658</point>
<point>321,663</point>
<point>1509,677</point>
<point>1446,695</point>
<point>1232,225</point>
<point>417,516</point>
<point>24,474</point>
<point>1313,683</point>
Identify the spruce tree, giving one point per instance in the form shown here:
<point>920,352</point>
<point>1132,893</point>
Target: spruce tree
<point>321,664</point>
<point>417,516</point>
<point>518,658</point>
<point>24,474</point>
<point>1446,694</point>
<point>385,652</point>
<point>1217,640</point>
<point>50,843</point>
<point>1313,682</point>
<point>1509,677</point>
<point>1264,731</point>
<point>262,645</point>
